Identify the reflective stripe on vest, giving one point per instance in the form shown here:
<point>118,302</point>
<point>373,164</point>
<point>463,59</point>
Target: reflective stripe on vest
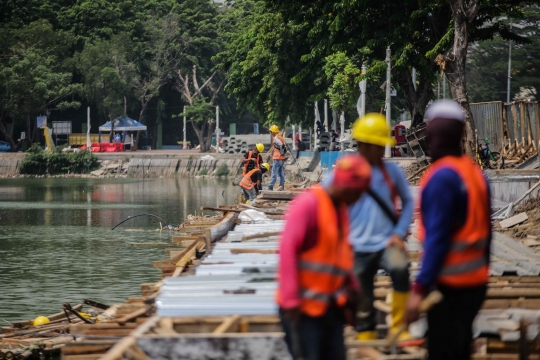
<point>464,267</point>
<point>250,156</point>
<point>323,297</point>
<point>466,263</point>
<point>246,182</point>
<point>277,154</point>
<point>323,268</point>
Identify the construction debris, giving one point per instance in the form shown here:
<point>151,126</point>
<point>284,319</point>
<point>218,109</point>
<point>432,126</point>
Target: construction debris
<point>514,220</point>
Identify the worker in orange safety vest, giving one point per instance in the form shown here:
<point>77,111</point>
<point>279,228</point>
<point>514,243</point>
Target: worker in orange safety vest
<point>252,159</point>
<point>316,281</point>
<point>251,183</point>
<point>278,165</point>
<point>455,227</point>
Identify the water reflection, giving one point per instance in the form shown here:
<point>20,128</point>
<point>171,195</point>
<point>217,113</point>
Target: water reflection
<point>56,244</point>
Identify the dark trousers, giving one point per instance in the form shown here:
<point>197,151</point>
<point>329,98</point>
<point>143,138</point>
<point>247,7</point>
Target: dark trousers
<point>366,265</point>
<point>319,338</point>
<point>450,323</point>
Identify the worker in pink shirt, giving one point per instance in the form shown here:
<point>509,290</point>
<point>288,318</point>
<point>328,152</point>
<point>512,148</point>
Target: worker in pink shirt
<point>316,282</point>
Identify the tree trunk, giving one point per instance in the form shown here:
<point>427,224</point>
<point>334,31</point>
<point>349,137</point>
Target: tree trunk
<point>200,135</point>
<point>416,100</point>
<point>453,63</point>
<point>209,137</point>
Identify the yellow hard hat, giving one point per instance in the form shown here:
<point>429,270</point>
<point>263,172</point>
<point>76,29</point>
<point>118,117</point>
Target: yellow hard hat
<point>372,129</point>
<point>41,320</point>
<point>260,147</point>
<point>266,166</point>
<point>274,129</point>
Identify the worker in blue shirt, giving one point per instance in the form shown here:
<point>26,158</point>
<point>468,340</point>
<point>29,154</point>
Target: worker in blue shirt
<point>455,227</point>
<point>377,230</point>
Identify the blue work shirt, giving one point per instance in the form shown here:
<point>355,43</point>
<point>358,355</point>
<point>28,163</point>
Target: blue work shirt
<point>370,227</point>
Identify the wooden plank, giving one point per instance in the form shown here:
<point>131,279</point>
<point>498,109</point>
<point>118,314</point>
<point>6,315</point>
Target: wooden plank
<point>514,220</point>
<point>253,251</point>
<point>230,325</point>
<point>135,314</point>
<point>261,235</point>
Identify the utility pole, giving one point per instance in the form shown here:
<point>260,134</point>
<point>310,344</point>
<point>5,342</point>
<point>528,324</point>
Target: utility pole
<point>509,66</point>
<point>414,78</point>
<point>316,110</point>
<point>326,114</point>
<point>293,137</point>
<point>438,88</point>
<point>387,152</point>
<point>184,147</point>
<point>363,85</point>
<point>217,129</point>
<point>444,86</point>
<point>88,142</point>
<point>342,121</point>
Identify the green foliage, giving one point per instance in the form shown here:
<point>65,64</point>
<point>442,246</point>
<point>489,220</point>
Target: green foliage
<point>222,170</point>
<point>32,74</point>
<point>487,63</point>
<point>38,162</point>
<point>263,61</point>
<point>203,172</point>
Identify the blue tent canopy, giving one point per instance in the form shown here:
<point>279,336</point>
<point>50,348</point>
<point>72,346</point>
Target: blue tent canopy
<point>123,123</point>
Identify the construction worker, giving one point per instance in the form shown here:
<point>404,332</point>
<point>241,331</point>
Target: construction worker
<point>251,183</point>
<point>377,230</point>
<point>316,261</point>
<point>455,227</point>
<point>278,167</point>
<point>252,159</point>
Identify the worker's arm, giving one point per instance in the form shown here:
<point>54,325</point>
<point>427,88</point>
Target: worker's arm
<point>407,204</point>
<point>299,234</point>
<point>444,208</point>
<point>245,159</point>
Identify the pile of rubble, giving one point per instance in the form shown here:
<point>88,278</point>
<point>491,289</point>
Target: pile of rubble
<point>111,168</point>
<point>525,225</point>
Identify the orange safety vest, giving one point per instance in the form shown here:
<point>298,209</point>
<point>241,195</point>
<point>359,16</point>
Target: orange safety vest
<point>324,268</point>
<point>246,182</point>
<point>465,264</point>
<point>250,156</point>
<point>277,154</point>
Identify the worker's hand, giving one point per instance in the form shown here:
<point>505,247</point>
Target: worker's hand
<point>412,312</point>
<point>292,314</point>
<point>397,241</point>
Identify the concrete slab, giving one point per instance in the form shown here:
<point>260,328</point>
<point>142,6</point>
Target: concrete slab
<point>514,220</point>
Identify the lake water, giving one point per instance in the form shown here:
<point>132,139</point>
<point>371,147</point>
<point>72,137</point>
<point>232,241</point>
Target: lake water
<point>56,243</point>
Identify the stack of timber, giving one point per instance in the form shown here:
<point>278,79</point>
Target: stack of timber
<point>23,340</point>
<point>517,153</point>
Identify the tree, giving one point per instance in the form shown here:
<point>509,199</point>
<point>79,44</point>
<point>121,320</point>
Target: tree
<point>109,71</point>
<point>32,78</point>
<point>201,99</point>
<point>472,20</point>
<point>487,62</point>
<point>363,30</point>
<point>263,61</point>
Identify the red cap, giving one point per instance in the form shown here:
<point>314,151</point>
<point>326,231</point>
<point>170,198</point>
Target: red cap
<point>352,172</point>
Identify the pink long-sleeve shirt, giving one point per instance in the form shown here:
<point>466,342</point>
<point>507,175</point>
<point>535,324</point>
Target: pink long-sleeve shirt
<point>300,234</point>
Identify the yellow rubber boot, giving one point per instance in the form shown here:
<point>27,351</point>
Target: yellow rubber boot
<point>367,335</point>
<point>399,302</point>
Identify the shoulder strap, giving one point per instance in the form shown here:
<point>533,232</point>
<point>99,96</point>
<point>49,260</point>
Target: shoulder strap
<point>390,185</point>
<point>387,211</point>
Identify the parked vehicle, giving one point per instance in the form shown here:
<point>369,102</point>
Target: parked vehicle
<point>4,146</point>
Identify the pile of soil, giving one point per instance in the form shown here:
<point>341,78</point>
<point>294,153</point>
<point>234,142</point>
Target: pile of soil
<point>528,229</point>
